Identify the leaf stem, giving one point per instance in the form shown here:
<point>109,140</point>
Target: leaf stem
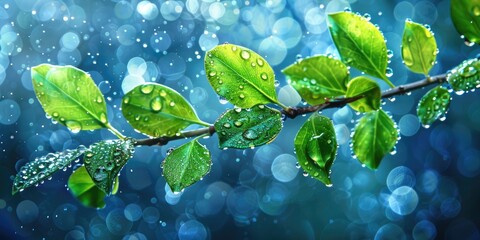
<point>115,131</point>
<point>292,112</point>
<point>388,82</point>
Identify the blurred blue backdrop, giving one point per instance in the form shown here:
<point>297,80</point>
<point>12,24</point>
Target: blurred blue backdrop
<point>427,190</point>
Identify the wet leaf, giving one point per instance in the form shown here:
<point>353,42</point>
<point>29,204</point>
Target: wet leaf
<point>246,128</point>
<point>419,48</point>
<point>240,75</point>
<point>317,78</point>
<point>84,189</point>
<point>375,135</point>
<point>186,165</point>
<point>465,77</point>
<point>157,110</point>
<point>433,105</point>
<point>466,18</point>
<point>316,147</point>
<point>367,87</point>
<point>359,43</point>
<point>70,97</point>
<point>38,170</point>
<point>105,159</point>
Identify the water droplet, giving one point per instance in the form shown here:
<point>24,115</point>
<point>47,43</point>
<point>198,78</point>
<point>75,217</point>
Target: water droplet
<point>476,10</point>
<point>212,73</point>
<point>389,72</point>
<point>250,134</point>
<point>264,76</point>
<point>103,118</point>
<point>156,104</point>
<point>389,53</point>
<point>163,93</point>
<point>238,123</point>
<point>242,96</point>
<point>99,99</point>
<point>100,174</point>
<point>147,89</point>
<point>55,114</point>
<point>126,100</point>
<point>234,48</point>
<point>172,104</point>
<point>227,125</point>
<point>74,126</point>
<point>245,54</point>
<point>260,62</point>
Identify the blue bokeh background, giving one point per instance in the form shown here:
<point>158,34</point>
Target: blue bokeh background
<point>428,189</point>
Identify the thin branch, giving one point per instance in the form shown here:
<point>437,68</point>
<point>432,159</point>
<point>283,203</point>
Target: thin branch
<point>293,112</point>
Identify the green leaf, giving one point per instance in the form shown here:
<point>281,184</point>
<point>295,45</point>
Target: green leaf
<point>70,97</point>
<point>157,110</point>
<point>419,48</point>
<point>105,159</point>
<point>246,128</point>
<point>316,147</point>
<point>466,18</point>
<point>38,170</point>
<point>84,189</point>
<point>240,75</point>
<point>375,135</point>
<point>465,77</point>
<point>367,87</point>
<point>433,105</point>
<point>186,165</point>
<point>317,78</point>
<point>359,43</point>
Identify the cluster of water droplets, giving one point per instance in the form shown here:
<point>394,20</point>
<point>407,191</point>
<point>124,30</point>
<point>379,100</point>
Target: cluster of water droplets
<point>465,77</point>
<point>434,105</point>
<point>104,160</point>
<point>36,171</point>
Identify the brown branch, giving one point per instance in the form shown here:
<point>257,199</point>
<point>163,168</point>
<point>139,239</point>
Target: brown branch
<point>293,112</point>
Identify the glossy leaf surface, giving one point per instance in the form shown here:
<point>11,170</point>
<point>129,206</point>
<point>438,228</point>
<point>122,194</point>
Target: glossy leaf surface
<point>70,97</point>
<point>240,75</point>
<point>369,89</point>
<point>419,48</point>
<point>157,110</point>
<point>466,18</point>
<point>433,105</point>
<point>41,168</point>
<point>84,189</point>
<point>105,159</point>
<point>375,135</point>
<point>317,78</point>
<point>359,43</point>
<point>186,165</point>
<point>245,128</point>
<point>316,147</point>
<point>465,77</point>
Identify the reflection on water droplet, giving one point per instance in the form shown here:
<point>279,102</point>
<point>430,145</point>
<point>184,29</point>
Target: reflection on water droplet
<point>74,126</point>
<point>227,125</point>
<point>156,104</point>
<point>250,134</point>
<point>245,54</point>
<point>103,117</point>
<point>264,76</point>
<point>260,62</point>
<point>212,73</point>
<point>146,89</point>
<point>126,100</point>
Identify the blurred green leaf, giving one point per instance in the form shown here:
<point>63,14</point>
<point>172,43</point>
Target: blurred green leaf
<point>419,48</point>
<point>367,87</point>
<point>186,165</point>
<point>84,189</point>
<point>466,18</point>
<point>70,97</point>
<point>316,147</point>
<point>105,159</point>
<point>317,78</point>
<point>433,105</point>
<point>240,75</point>
<point>157,110</point>
<point>375,135</point>
<point>43,167</point>
<point>465,77</point>
<point>245,128</point>
<point>360,43</point>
